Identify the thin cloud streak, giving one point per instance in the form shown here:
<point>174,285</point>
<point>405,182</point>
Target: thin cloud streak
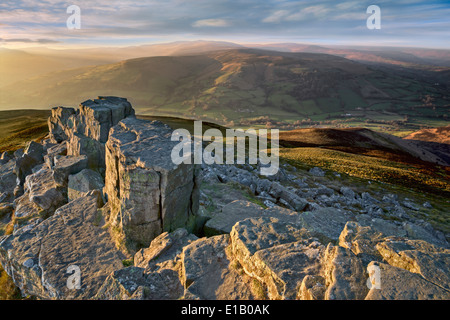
<point>324,20</point>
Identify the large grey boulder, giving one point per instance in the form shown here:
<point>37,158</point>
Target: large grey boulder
<point>238,210</point>
<point>418,256</point>
<point>58,123</point>
<point>147,192</point>
<point>86,130</point>
<point>32,156</point>
<point>82,182</point>
<point>67,165</point>
<point>41,198</point>
<point>400,284</point>
<point>42,259</point>
<point>207,271</point>
<point>7,181</point>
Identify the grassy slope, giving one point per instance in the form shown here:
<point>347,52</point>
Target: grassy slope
<point>241,86</point>
<point>19,126</point>
<point>407,175</point>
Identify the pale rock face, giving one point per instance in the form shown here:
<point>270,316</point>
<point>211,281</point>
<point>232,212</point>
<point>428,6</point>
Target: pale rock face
<point>41,198</point>
<point>164,247</point>
<point>206,271</point>
<point>147,192</point>
<point>57,123</point>
<point>78,144</point>
<point>38,258</point>
<point>84,181</point>
<point>238,210</point>
<point>344,274</point>
<point>67,165</point>
<point>400,284</point>
<point>418,256</point>
<point>360,239</point>
<point>329,222</point>
<point>87,129</point>
<point>7,181</point>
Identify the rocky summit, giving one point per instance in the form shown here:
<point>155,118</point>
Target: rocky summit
<point>98,210</point>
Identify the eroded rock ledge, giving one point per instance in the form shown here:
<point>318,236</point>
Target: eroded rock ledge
<point>101,194</point>
<point>147,193</point>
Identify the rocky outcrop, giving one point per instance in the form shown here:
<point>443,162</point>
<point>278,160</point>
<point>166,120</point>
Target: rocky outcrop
<point>420,257</point>
<point>101,198</point>
<point>148,194</point>
<point>86,130</point>
<point>400,284</point>
<point>38,257</point>
<point>267,257</point>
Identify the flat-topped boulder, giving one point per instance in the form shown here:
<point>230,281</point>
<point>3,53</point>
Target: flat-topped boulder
<point>147,192</point>
<point>99,115</point>
<point>86,130</point>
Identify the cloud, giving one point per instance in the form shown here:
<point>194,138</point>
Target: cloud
<point>24,40</point>
<point>286,20</point>
<point>309,13</point>
<point>211,23</point>
<point>276,17</point>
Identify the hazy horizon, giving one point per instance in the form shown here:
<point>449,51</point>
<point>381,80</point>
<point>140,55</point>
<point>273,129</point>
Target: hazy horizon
<point>406,23</point>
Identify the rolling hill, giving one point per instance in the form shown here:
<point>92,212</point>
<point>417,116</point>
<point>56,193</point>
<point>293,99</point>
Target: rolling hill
<point>246,87</point>
<point>439,135</point>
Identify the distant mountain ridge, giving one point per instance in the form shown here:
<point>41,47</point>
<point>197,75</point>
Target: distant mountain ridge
<point>226,83</point>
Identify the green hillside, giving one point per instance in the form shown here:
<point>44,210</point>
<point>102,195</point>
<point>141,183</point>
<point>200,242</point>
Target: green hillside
<point>249,87</point>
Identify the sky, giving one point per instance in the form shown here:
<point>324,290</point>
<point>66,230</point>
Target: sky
<point>122,23</point>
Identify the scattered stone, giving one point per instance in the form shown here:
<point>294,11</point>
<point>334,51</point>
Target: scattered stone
<point>317,172</point>
<point>347,192</point>
<point>411,205</point>
<point>428,205</point>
